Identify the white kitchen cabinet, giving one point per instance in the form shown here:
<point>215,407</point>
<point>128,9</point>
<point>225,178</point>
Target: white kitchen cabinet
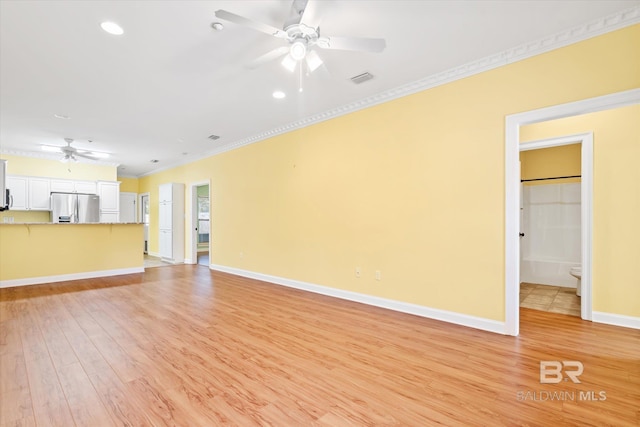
<point>39,194</point>
<point>171,222</point>
<point>165,216</point>
<point>71,186</point>
<point>165,244</point>
<point>109,217</point>
<point>109,192</point>
<point>18,186</point>
<point>85,187</point>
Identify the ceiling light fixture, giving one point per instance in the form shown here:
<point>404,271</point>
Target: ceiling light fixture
<point>68,157</point>
<point>217,26</point>
<point>278,94</point>
<point>61,116</point>
<point>289,63</point>
<point>313,60</point>
<point>298,50</point>
<point>112,28</point>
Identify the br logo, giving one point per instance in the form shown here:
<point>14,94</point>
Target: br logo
<point>551,371</point>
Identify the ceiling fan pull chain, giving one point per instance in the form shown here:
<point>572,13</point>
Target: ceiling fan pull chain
<point>301,65</point>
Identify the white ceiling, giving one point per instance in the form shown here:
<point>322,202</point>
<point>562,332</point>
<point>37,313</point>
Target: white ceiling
<point>170,81</point>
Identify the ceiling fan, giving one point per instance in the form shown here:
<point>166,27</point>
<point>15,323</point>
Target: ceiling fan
<point>301,38</point>
<point>71,153</point>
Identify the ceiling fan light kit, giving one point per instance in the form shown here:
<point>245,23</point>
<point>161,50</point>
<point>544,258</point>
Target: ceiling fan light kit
<point>298,50</point>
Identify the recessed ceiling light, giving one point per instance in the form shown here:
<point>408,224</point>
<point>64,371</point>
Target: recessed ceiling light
<point>217,26</point>
<point>61,116</point>
<point>155,161</point>
<point>112,28</point>
<point>278,94</point>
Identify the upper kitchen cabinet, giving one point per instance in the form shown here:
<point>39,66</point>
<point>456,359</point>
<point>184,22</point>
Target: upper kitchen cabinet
<point>70,186</point>
<point>39,198</point>
<point>29,193</point>
<point>17,186</point>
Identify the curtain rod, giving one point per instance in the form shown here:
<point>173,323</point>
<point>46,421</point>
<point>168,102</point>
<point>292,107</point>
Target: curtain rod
<point>554,177</point>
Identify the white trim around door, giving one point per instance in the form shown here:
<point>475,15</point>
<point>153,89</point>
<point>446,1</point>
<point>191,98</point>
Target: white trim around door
<point>512,184</point>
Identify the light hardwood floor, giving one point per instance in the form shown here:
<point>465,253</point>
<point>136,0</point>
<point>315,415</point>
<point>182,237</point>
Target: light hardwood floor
<point>184,346</point>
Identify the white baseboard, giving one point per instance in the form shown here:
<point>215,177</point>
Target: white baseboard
<point>67,277</point>
<point>616,319</point>
<point>404,307</point>
<point>155,254</point>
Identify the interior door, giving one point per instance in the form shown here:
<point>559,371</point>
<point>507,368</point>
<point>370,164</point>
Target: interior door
<point>128,207</point>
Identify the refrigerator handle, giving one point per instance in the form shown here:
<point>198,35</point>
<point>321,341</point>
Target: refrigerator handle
<point>77,210</point>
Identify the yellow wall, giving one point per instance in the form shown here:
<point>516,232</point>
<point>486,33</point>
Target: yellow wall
<point>128,185</point>
<point>413,187</point>
<point>551,162</point>
<point>616,202</point>
<point>43,250</point>
<point>31,166</point>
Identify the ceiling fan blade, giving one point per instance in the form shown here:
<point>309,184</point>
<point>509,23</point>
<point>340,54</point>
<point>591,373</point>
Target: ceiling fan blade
<point>241,20</point>
<point>298,8</point>
<point>352,43</point>
<point>86,155</point>
<point>269,56</point>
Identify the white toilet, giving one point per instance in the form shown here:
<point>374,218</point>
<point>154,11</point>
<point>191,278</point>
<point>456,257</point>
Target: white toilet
<point>577,273</point>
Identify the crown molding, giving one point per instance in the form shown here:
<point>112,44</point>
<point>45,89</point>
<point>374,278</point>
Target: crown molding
<point>53,156</point>
<point>616,21</point>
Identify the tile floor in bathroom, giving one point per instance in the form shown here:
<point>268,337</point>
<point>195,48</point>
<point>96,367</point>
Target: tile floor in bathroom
<point>555,299</point>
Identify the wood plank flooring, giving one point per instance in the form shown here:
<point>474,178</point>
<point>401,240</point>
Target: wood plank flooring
<point>184,346</point>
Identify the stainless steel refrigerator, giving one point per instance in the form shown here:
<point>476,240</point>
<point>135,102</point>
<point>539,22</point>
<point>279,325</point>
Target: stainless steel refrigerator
<point>75,208</point>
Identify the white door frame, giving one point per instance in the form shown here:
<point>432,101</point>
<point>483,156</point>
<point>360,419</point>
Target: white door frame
<point>586,207</point>
<point>140,213</point>
<point>192,236</point>
<point>512,184</point>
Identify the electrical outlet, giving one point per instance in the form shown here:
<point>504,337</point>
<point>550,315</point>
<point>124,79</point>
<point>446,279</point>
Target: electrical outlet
<point>8,219</point>
<point>241,255</point>
<point>358,272</point>
<point>378,275</point>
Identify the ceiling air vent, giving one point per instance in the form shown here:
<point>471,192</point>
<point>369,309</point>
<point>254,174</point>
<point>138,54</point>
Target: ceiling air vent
<point>361,78</point>
<point>213,137</point>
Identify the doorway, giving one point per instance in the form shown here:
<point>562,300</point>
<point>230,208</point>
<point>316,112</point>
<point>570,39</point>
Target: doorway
<point>200,223</point>
<point>143,214</point>
<point>551,230</point>
<point>512,194</point>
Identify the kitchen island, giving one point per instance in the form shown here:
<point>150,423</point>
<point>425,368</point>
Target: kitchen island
<point>32,253</point>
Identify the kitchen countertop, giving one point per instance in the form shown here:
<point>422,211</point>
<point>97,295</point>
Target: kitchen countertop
<point>70,223</point>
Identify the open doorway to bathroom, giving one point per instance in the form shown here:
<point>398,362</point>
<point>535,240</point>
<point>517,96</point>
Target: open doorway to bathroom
<point>550,224</point>
<point>611,118</point>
